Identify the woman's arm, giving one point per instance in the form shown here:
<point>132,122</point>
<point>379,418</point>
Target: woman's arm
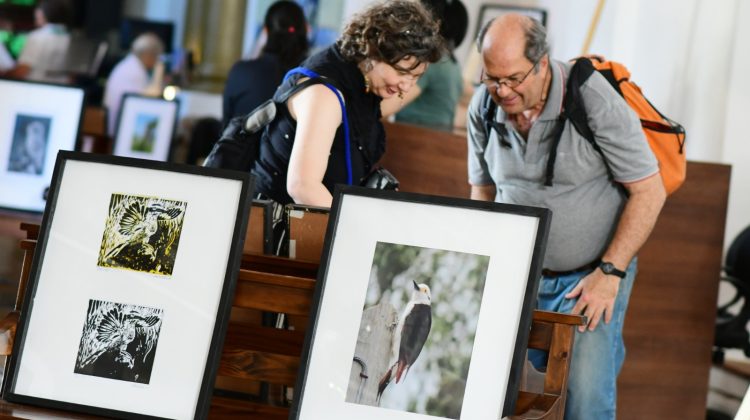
<point>318,114</point>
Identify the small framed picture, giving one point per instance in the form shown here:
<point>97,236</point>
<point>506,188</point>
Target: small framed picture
<point>130,289</point>
<point>32,131</point>
<point>490,11</point>
<point>145,127</point>
<point>422,308</point>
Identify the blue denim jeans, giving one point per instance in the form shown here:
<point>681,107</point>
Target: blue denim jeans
<point>597,355</point>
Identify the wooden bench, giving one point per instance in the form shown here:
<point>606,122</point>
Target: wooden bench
<point>254,354</point>
<point>95,137</point>
<point>259,236</point>
<point>307,228</point>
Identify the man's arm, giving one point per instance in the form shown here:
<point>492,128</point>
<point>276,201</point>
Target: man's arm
<point>483,192</point>
<point>598,291</point>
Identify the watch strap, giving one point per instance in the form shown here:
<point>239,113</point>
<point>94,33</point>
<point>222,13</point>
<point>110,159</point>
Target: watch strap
<point>610,269</point>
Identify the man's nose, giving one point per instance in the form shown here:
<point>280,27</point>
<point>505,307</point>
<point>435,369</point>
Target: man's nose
<point>502,90</point>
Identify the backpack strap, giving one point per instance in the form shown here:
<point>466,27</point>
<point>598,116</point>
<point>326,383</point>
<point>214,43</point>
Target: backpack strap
<point>489,109</point>
<point>574,111</point>
<point>315,78</point>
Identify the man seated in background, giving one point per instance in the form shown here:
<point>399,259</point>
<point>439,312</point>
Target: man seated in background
<point>43,56</point>
<point>141,72</point>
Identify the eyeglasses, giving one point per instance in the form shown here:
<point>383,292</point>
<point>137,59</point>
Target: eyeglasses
<point>510,82</point>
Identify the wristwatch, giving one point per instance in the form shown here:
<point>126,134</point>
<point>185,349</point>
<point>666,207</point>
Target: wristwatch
<point>609,269</point>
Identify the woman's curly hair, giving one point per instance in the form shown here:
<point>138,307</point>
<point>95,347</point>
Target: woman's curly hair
<point>392,31</point>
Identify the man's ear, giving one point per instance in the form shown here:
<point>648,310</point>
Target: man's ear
<point>544,62</point>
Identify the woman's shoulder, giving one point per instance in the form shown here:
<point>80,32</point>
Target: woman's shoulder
<point>332,65</point>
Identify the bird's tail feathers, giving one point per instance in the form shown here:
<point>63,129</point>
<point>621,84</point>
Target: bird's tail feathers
<point>402,369</point>
<point>384,381</point>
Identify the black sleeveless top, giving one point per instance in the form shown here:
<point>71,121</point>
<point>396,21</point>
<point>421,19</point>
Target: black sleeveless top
<point>366,132</point>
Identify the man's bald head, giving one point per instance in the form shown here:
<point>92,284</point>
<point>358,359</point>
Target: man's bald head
<point>513,31</point>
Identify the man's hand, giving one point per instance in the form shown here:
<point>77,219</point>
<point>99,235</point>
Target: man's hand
<point>596,297</point>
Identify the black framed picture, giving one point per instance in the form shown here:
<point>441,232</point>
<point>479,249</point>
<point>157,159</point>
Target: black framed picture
<point>146,127</point>
<point>32,131</point>
<point>130,289</point>
<point>490,11</point>
<point>422,308</point>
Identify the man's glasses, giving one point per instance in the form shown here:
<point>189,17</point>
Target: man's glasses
<point>510,82</point>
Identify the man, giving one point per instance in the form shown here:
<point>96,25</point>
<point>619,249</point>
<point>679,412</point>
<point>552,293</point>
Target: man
<point>43,55</point>
<point>131,75</point>
<point>597,227</point>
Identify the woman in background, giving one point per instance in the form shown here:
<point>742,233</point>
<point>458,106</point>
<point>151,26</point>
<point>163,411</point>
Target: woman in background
<point>252,82</point>
<point>433,101</point>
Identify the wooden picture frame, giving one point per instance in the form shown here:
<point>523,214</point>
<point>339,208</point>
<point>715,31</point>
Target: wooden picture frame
<point>130,289</point>
<point>422,308</point>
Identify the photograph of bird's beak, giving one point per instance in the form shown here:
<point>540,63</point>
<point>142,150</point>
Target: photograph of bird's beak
<point>417,329</point>
<point>142,234</point>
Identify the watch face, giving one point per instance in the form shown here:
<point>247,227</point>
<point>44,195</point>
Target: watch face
<point>607,268</point>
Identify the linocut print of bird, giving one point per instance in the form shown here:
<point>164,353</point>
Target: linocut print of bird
<point>119,341</point>
<point>142,234</point>
<point>410,335</point>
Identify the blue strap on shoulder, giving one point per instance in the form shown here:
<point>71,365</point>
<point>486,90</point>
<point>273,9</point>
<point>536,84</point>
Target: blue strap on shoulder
<point>311,74</point>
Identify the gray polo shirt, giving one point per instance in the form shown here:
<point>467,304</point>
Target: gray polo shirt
<point>585,204</point>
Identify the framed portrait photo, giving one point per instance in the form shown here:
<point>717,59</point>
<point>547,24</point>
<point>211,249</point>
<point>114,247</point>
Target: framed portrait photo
<point>490,11</point>
<point>32,131</point>
<point>145,127</point>
<point>422,308</point>
<point>130,289</point>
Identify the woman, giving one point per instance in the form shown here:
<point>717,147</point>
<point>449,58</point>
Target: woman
<point>436,95</point>
<point>378,58</point>
<point>252,82</point>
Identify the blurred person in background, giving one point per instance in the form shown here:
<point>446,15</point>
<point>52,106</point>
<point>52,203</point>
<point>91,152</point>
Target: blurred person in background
<point>432,102</point>
<point>252,82</point>
<point>141,71</point>
<point>43,55</point>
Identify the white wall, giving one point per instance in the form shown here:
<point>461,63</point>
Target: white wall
<point>736,139</point>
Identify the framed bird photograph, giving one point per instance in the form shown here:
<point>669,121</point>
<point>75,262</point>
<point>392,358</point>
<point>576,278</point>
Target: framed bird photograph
<point>130,290</point>
<point>32,131</point>
<point>145,127</point>
<point>422,308</point>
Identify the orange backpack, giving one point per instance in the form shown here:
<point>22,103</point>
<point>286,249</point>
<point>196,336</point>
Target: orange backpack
<point>665,136</point>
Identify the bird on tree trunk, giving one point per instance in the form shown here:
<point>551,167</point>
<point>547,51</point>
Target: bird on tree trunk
<point>411,333</point>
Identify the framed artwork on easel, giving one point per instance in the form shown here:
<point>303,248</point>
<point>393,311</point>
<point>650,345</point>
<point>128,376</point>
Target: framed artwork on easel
<point>422,307</point>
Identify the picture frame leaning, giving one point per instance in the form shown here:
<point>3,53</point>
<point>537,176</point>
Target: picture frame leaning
<point>130,289</point>
<point>146,127</point>
<point>422,308</point>
<point>32,131</point>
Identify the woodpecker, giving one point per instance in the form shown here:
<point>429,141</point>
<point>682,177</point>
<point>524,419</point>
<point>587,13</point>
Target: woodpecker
<point>411,333</point>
